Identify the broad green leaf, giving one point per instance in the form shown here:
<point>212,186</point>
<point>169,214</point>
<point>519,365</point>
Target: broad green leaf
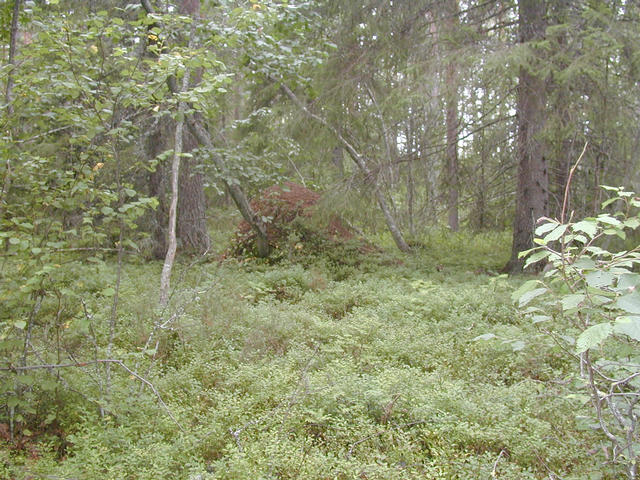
<point>600,278</point>
<point>530,295</point>
<point>525,287</point>
<point>587,226</point>
<point>608,219</point>
<point>632,223</point>
<point>546,227</point>
<point>25,379</point>
<point>556,233</point>
<point>108,292</point>
<point>20,324</point>
<point>486,336</point>
<point>536,257</point>
<point>584,263</point>
<point>629,303</point>
<point>540,318</point>
<point>629,326</point>
<point>593,336</point>
<point>572,301</point>
<point>628,281</point>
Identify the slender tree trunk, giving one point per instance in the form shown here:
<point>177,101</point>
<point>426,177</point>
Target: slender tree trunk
<point>338,161</point>
<point>451,75</point>
<point>361,163</point>
<point>173,208</point>
<point>13,46</point>
<point>452,148</point>
<point>156,144</point>
<point>532,197</point>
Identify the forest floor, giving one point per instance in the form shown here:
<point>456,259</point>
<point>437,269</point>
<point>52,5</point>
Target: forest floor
<point>361,366</point>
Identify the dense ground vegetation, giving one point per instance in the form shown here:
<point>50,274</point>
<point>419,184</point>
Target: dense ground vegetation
<point>334,366</point>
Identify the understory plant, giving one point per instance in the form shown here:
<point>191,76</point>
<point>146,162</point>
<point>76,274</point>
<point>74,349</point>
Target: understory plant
<point>588,301</point>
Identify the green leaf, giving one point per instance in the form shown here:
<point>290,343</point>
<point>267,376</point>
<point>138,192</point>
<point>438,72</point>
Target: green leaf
<point>572,301</point>
<point>608,219</point>
<point>545,227</point>
<point>556,233</point>
<point>599,279</point>
<point>26,379</point>
<point>536,257</point>
<point>527,297</point>
<point>525,287</point>
<point>108,292</point>
<point>593,336</point>
<point>20,324</point>
<point>486,336</point>
<point>628,281</point>
<point>584,263</point>
<point>629,326</point>
<point>540,318</point>
<point>587,226</point>
<point>629,303</point>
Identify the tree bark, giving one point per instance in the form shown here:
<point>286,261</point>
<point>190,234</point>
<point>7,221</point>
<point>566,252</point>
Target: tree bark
<point>173,207</point>
<point>192,220</point>
<point>451,76</point>
<point>532,197</point>
<point>195,125</point>
<point>13,43</point>
<point>192,215</point>
<point>156,144</point>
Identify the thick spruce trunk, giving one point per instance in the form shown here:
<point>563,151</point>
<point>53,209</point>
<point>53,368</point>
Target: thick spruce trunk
<point>532,197</point>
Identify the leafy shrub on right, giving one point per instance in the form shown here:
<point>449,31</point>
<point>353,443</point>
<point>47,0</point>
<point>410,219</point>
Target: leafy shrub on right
<point>589,303</point>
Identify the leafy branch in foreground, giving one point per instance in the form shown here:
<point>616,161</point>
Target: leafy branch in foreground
<point>588,300</point>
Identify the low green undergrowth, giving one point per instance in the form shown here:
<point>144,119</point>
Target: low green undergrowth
<point>308,371</point>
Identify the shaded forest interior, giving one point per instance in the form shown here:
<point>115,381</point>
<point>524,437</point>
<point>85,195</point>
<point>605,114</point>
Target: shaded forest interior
<point>285,239</point>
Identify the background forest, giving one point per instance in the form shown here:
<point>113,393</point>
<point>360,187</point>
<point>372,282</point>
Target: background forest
<point>355,319</point>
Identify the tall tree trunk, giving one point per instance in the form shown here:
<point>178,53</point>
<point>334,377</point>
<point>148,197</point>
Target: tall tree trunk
<point>173,207</point>
<point>192,221</point>
<point>195,125</point>
<point>156,144</point>
<point>13,45</point>
<point>192,216</point>
<point>532,197</point>
<point>451,75</point>
<point>337,160</point>
<point>452,147</point>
